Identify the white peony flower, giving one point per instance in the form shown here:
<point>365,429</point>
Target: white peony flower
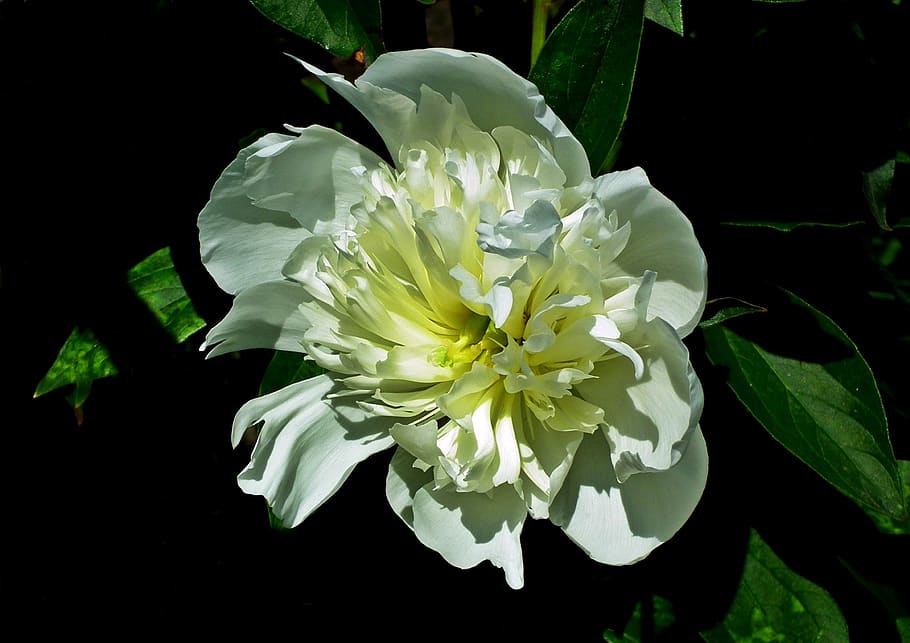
<point>508,323</point>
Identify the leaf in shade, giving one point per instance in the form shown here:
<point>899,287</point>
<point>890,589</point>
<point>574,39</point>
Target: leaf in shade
<point>819,399</point>
<point>340,26</point>
<point>82,359</point>
<point>717,311</point>
<point>666,13</point>
<point>789,226</point>
<point>586,69</point>
<point>877,189</point>
<point>156,282</point>
<point>773,603</point>
<point>286,368</point>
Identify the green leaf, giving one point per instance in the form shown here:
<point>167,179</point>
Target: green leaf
<point>156,282</point>
<point>903,628</point>
<point>888,524</point>
<point>773,603</point>
<point>818,398</point>
<point>651,618</point>
<point>339,26</point>
<point>586,70</point>
<point>877,189</point>
<point>725,312</point>
<point>790,226</point>
<point>81,360</point>
<point>666,13</point>
<point>287,368</point>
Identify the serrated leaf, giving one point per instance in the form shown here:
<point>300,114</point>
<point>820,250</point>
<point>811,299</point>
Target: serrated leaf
<point>773,603</point>
<point>340,26</point>
<point>877,190</point>
<point>818,398</point>
<point>790,226</point>
<point>286,368</point>
<point>666,13</point>
<point>81,360</point>
<point>586,69</point>
<point>156,282</point>
<point>645,625</point>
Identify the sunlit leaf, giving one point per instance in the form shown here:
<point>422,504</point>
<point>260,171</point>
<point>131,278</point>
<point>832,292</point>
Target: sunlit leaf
<point>340,26</point>
<point>645,624</point>
<point>82,359</point>
<point>805,381</point>
<point>586,70</point>
<point>666,13</point>
<point>877,189</point>
<point>287,368</point>
<point>156,282</point>
<point>789,226</point>
<point>773,603</point>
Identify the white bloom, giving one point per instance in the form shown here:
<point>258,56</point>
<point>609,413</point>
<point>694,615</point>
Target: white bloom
<point>509,323</point>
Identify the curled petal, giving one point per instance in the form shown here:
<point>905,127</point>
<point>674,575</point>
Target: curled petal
<point>266,315</point>
<point>308,445</point>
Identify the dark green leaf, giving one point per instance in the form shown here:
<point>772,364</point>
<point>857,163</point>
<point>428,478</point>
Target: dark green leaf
<point>666,13</point>
<point>651,618</point>
<point>82,359</point>
<point>819,399</point>
<point>586,70</point>
<point>773,603</point>
<point>156,282</point>
<point>877,188</point>
<point>287,368</point>
<point>340,26</point>
<point>789,226</point>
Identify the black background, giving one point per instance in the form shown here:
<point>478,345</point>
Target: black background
<point>118,118</point>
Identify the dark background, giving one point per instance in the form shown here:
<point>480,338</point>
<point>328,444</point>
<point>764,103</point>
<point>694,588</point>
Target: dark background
<point>118,119</point>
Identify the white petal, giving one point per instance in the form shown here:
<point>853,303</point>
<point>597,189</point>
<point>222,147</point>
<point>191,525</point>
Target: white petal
<point>646,417</point>
<point>493,94</point>
<point>402,482</point>
<point>661,240</point>
<point>467,528</point>
<point>307,446</point>
<point>266,315</point>
<point>243,245</point>
<point>518,234</point>
<point>312,177</point>
<point>621,524</point>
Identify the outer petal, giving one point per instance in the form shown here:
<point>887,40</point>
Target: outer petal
<point>308,445</point>
<point>493,94</point>
<point>661,240</point>
<point>465,528</point>
<point>314,177</point>
<point>272,196</point>
<point>621,524</point>
<point>243,245</point>
<point>646,417</point>
<point>266,315</point>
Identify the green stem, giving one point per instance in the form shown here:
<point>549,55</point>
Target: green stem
<point>539,27</point>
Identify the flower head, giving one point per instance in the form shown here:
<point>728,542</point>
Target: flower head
<point>511,325</point>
